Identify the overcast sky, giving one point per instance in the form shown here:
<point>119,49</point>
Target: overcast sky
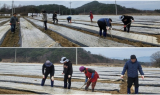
<point>143,5</point>
<point>123,52</point>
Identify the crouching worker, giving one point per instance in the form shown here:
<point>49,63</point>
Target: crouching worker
<point>104,24</point>
<point>132,66</point>
<point>67,71</point>
<point>69,19</point>
<point>48,68</point>
<point>92,75</point>
<point>127,20</point>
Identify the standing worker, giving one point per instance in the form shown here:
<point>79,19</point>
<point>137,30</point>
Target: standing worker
<point>13,21</point>
<point>69,19</point>
<point>92,75</point>
<point>104,24</point>
<point>91,16</point>
<point>55,18</point>
<point>44,19</point>
<point>132,66</point>
<point>127,20</point>
<point>48,68</point>
<point>67,71</point>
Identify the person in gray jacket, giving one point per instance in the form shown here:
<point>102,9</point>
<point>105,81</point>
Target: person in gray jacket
<point>13,21</point>
<point>44,19</point>
<point>132,66</point>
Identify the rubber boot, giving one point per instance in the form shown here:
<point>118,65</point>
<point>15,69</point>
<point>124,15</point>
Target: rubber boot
<point>52,83</point>
<point>136,90</point>
<point>86,88</point>
<point>43,81</point>
<point>65,85</point>
<point>128,91</point>
<point>69,86</point>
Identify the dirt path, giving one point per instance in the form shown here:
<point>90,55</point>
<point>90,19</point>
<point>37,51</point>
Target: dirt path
<point>8,91</point>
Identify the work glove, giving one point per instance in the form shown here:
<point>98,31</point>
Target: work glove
<point>52,78</point>
<point>10,23</point>
<point>142,76</point>
<point>107,28</point>
<point>122,76</point>
<point>124,25</point>
<point>69,76</point>
<point>43,76</point>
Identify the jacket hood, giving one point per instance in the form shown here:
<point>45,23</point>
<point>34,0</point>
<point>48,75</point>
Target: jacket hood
<point>48,64</point>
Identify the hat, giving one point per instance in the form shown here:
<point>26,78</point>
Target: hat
<point>64,59</point>
<point>81,68</point>
<point>133,57</point>
<point>121,17</point>
<point>48,62</point>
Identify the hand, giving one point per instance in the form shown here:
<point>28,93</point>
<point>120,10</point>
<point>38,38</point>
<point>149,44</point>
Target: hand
<point>18,22</point>
<point>52,78</point>
<point>69,76</point>
<point>132,20</point>
<point>43,76</point>
<point>124,25</point>
<point>122,76</point>
<point>10,23</point>
<point>142,76</point>
<point>107,28</point>
<point>62,73</point>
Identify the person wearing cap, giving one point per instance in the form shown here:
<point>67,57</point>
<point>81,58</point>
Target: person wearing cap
<point>13,21</point>
<point>91,16</point>
<point>48,68</point>
<point>92,75</point>
<point>69,18</point>
<point>127,20</point>
<point>67,71</point>
<point>104,24</point>
<point>132,66</point>
<point>44,18</point>
<point>54,17</point>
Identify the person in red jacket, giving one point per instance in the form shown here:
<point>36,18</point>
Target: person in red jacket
<point>91,16</point>
<point>92,75</point>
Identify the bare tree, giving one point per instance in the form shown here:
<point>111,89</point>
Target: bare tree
<point>155,58</point>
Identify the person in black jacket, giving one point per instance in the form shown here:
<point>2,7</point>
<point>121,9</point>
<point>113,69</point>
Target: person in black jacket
<point>127,20</point>
<point>55,18</point>
<point>67,71</point>
<point>48,68</point>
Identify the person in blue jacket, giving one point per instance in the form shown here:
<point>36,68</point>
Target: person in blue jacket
<point>48,68</point>
<point>132,66</point>
<point>104,24</point>
<point>69,19</point>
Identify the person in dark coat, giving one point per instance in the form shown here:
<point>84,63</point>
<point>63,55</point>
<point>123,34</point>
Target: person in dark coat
<point>69,18</point>
<point>132,66</point>
<point>44,18</point>
<point>55,18</point>
<point>104,24</point>
<point>67,71</point>
<point>13,21</point>
<point>48,68</point>
<point>127,20</point>
<point>90,74</point>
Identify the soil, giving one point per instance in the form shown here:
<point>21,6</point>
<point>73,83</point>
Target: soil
<point>11,40</point>
<point>8,91</point>
<point>58,38</point>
